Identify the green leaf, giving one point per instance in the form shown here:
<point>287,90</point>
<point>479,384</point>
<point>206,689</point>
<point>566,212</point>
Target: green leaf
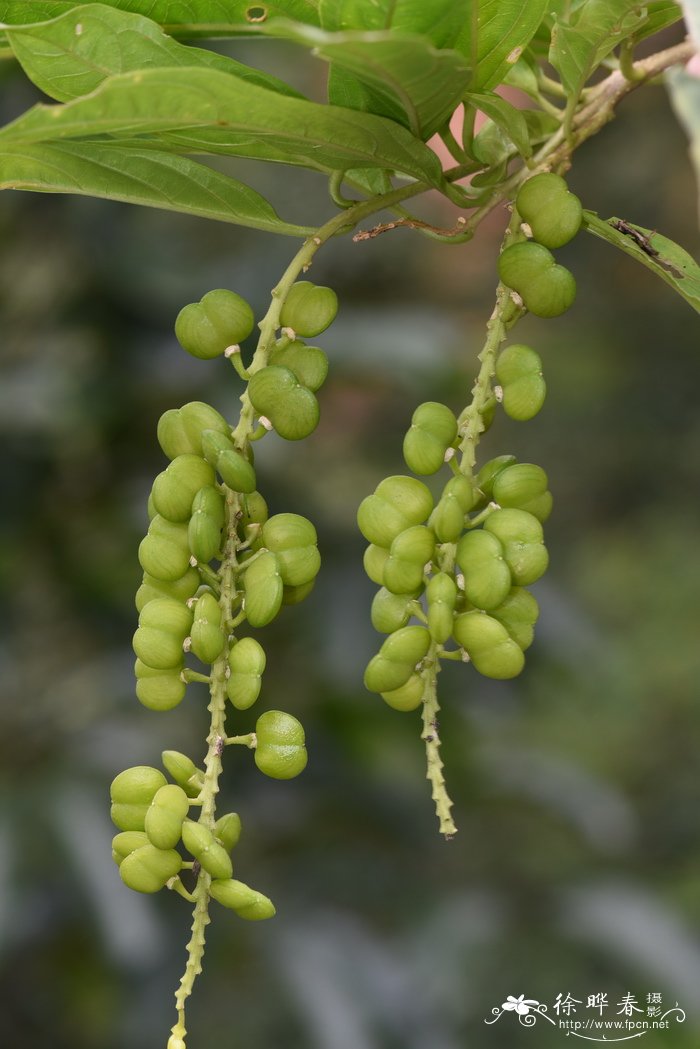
<point>660,14</point>
<point>510,119</point>
<point>440,21</point>
<point>100,169</point>
<point>73,54</point>
<point>396,75</point>
<point>659,254</point>
<point>205,111</point>
<point>684,91</point>
<point>504,29</point>
<point>597,27</point>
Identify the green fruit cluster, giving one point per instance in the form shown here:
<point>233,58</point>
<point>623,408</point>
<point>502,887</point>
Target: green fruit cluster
<point>528,267</point>
<point>459,566</point>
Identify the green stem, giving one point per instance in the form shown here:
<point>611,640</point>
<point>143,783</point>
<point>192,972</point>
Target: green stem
<point>431,737</point>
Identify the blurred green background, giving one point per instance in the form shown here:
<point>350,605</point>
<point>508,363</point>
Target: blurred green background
<point>576,787</point>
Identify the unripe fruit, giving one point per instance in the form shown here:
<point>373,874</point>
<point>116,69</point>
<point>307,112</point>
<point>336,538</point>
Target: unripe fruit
<point>308,309</point>
<point>523,486</point>
<point>397,503</point>
<point>487,577</point>
<point>219,320</point>
<point>263,589</point>
<point>159,689</point>
<point>148,868</point>
<point>227,830</point>
<point>552,212</point>
<point>390,611</point>
<point>127,842</point>
<point>179,589</point>
<point>293,595</point>
<point>518,614</point>
<point>397,659</point>
<point>254,511</point>
<point>447,519</point>
<point>293,539</point>
<point>489,645</point>
<point>239,897</point>
<point>410,551</point>
<point>520,534</point>
<point>212,856</point>
<point>132,792</point>
<point>433,429</point>
<point>207,637</point>
<point>164,552</point>
<point>184,772</point>
<point>280,752</point>
<point>246,660</point>
<point>441,594</point>
<point>233,467</point>
<point>519,371</point>
<point>309,363</point>
<point>546,288</point>
<point>206,522</point>
<point>180,429</point>
<point>374,559</point>
<point>408,696</point>
<point>164,818</point>
<point>163,626</point>
<point>276,393</point>
<point>487,475</point>
<point>176,487</point>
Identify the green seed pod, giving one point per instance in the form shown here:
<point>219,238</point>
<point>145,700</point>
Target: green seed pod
<point>433,429</point>
<point>397,503</point>
<point>518,614</point>
<point>488,474</point>
<point>280,752</point>
<point>212,856</point>
<point>410,551</point>
<point>207,637</point>
<point>489,645</point>
<point>219,320</point>
<point>132,792</point>
<point>180,589</point>
<point>206,523</point>
<point>239,897</point>
<point>263,589</point>
<point>374,559</point>
<point>227,830</point>
<point>276,393</point>
<point>294,595</point>
<point>184,772</point>
<point>447,520</point>
<point>308,309</point>
<point>233,467</point>
<point>441,594</point>
<point>246,661</point>
<point>163,626</point>
<point>254,510</point>
<point>546,288</point>
<point>180,429</point>
<point>397,659</point>
<point>151,506</point>
<point>164,552</point>
<point>519,371</point>
<point>481,559</point>
<point>408,696</point>
<point>159,689</point>
<point>552,212</point>
<point>175,488</point>
<point>126,842</point>
<point>309,363</point>
<point>524,486</point>
<point>148,868</point>
<point>520,534</point>
<point>293,539</point>
<point>390,611</point>
<point>164,818</point>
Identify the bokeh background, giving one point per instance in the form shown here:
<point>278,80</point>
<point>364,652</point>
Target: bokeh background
<point>577,786</point>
